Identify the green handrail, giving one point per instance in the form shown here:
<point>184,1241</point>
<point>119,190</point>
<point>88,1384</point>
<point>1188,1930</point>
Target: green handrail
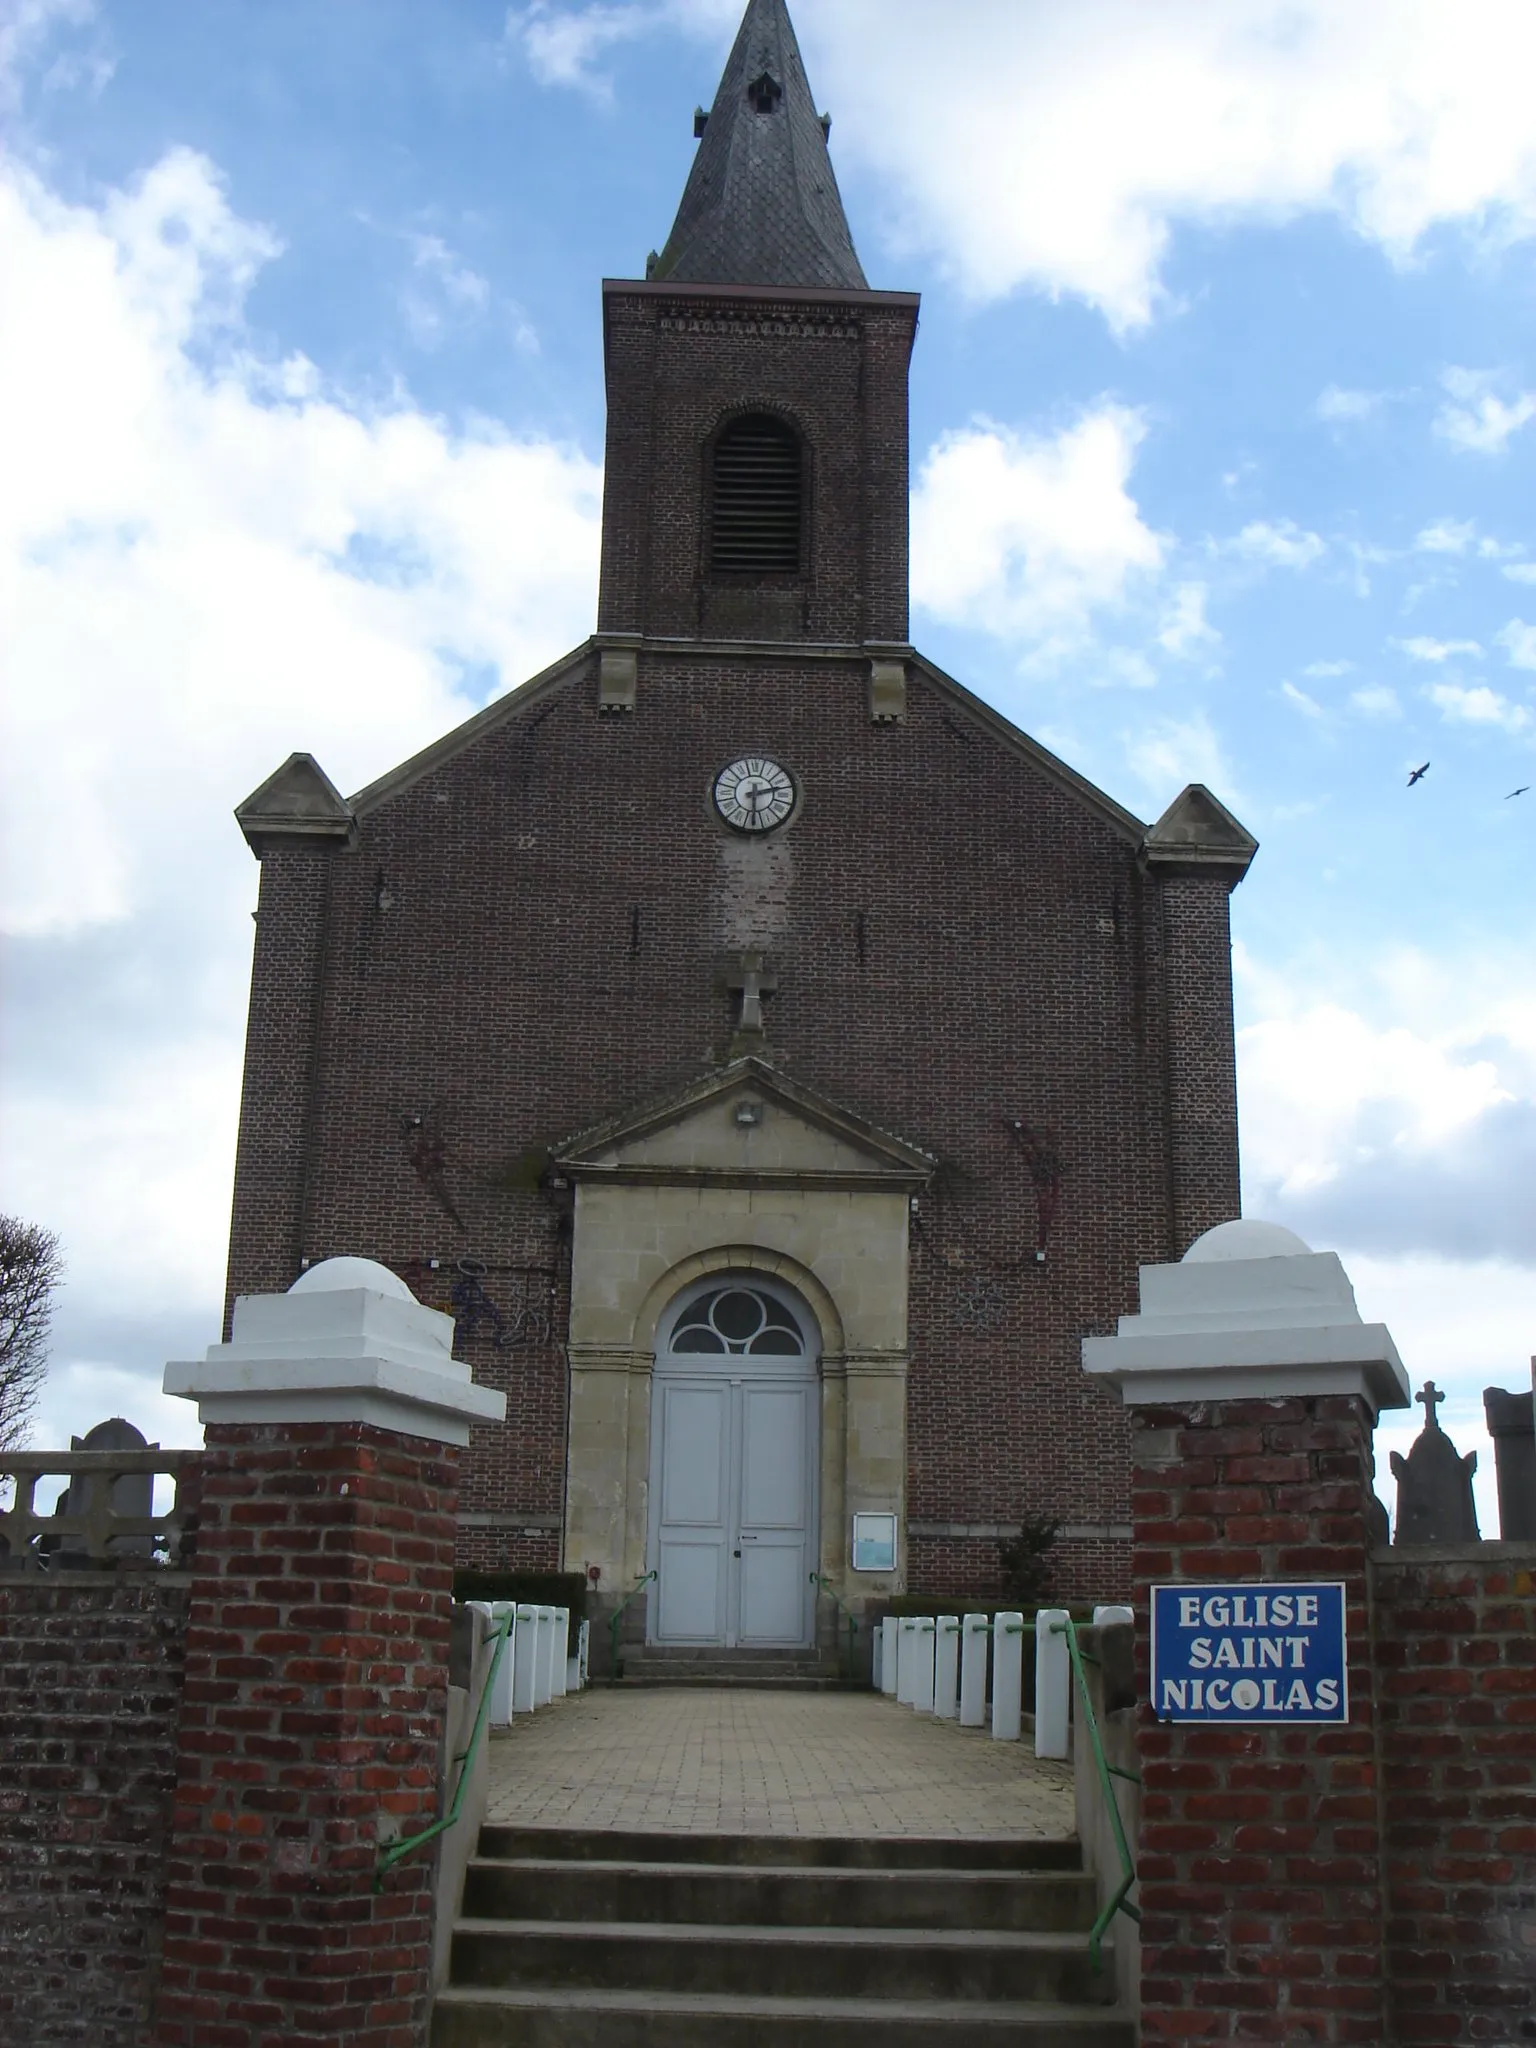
<point>618,1615</point>
<point>824,1585</point>
<point>1120,1903</point>
<point>388,1858</point>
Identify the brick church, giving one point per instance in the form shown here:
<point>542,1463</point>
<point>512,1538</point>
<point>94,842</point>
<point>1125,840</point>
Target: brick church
<point>775,1059</point>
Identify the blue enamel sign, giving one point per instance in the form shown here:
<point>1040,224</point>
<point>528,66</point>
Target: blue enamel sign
<point>1249,1653</point>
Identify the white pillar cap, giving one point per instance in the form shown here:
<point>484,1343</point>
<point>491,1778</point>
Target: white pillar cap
<point>1249,1313</point>
<point>348,1342</point>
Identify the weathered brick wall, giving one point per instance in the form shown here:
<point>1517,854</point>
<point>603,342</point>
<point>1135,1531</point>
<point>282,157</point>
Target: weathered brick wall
<point>834,365</point>
<point>315,1694</point>
<point>90,1690</point>
<point>1260,1860</point>
<point>1456,1661</point>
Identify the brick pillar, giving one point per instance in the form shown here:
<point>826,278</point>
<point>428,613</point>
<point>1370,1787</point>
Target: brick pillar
<point>316,1673</point>
<point>1253,1387</point>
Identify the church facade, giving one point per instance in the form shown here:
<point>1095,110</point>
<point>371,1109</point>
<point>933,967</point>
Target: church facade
<point>776,1060</point>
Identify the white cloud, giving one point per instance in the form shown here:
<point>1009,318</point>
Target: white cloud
<point>1185,626</point>
<point>206,561</point>
<point>25,26</point>
<point>1421,648</point>
<point>442,290</point>
<point>1278,544</point>
<point>1060,147</point>
<point>1521,572</point>
<point>1518,641</point>
<point>1474,418</point>
<point>1336,405</point>
<point>1376,700</point>
<point>1308,706</point>
<point>1030,537</point>
<point>1174,752</point>
<point>1477,705</point>
<point>1325,1086</point>
<point>1327,668</point>
<point>1446,537</point>
<point>562,46</point>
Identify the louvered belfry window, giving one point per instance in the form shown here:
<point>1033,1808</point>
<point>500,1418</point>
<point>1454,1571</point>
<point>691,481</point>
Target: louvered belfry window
<point>756,498</point>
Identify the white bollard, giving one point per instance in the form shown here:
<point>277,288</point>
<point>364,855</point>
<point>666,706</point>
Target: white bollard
<point>876,1647</point>
<point>1053,1686</point>
<point>560,1655</point>
<point>1107,1617</point>
<point>923,1639</point>
<point>488,1615</point>
<point>946,1665</point>
<point>975,1633</point>
<point>1007,1677</point>
<point>544,1658</point>
<point>906,1668</point>
<point>524,1645</point>
<point>888,1656</point>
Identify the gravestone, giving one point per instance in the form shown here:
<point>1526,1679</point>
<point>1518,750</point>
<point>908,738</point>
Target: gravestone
<point>1512,1425</point>
<point>1434,1484</point>
<point>132,1494</point>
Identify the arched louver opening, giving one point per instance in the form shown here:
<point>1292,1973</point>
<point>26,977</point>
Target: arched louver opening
<point>756,499</point>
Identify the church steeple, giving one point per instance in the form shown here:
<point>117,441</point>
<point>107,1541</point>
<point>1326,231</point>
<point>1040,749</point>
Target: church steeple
<point>761,206</point>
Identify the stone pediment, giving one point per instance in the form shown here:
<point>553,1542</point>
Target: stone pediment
<point>746,1125</point>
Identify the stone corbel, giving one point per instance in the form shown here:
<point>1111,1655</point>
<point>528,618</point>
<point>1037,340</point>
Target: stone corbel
<point>887,685</point>
<point>618,674</point>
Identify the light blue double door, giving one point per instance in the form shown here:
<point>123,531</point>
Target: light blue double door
<point>735,1433</point>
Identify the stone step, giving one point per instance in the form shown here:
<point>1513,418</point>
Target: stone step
<point>827,1962</point>
<point>706,1653</point>
<point>734,1681</point>
<point>510,2018</point>
<point>702,1893</point>
<point>779,1852</point>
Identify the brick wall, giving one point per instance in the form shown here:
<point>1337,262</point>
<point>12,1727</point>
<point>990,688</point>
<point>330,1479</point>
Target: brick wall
<point>90,1689</point>
<point>834,366</point>
<point>315,1693</point>
<point>1260,1860</point>
<point>1456,1656</point>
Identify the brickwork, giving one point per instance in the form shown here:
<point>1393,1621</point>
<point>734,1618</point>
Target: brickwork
<point>1200,1052</point>
<point>315,1693</point>
<point>834,365</point>
<point>1260,1855</point>
<point>1456,1656</point>
<point>90,1690</point>
<point>1084,1570</point>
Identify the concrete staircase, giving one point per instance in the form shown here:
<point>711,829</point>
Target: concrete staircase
<point>574,1939</point>
<point>770,1670</point>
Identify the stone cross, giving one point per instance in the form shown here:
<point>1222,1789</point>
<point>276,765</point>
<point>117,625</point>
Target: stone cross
<point>751,982</point>
<point>1434,1484</point>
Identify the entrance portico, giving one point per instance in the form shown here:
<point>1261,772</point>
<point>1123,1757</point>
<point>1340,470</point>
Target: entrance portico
<point>744,1183</point>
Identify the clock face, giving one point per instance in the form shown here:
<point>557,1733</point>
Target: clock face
<point>754,794</point>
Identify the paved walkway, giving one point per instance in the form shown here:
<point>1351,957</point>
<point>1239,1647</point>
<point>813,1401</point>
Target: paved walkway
<point>789,1763</point>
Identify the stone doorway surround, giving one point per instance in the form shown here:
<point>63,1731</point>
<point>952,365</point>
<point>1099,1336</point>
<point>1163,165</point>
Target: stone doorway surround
<point>743,1171</point>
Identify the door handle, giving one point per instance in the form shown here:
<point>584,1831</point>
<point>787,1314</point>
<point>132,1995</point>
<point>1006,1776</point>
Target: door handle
<point>735,1553</point>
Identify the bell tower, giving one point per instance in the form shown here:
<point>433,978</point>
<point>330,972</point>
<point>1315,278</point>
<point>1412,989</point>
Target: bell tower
<point>757,463</point>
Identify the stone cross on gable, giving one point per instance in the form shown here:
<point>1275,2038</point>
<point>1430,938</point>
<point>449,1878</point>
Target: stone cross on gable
<point>1432,1398</point>
<point>752,983</point>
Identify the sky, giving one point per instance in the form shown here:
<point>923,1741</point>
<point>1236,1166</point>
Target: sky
<point>1224,447</point>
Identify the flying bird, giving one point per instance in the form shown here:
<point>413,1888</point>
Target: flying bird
<point>1418,775</point>
<point>1518,792</point>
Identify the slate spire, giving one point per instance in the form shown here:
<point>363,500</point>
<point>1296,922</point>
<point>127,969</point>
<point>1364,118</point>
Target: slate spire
<point>761,205</point>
